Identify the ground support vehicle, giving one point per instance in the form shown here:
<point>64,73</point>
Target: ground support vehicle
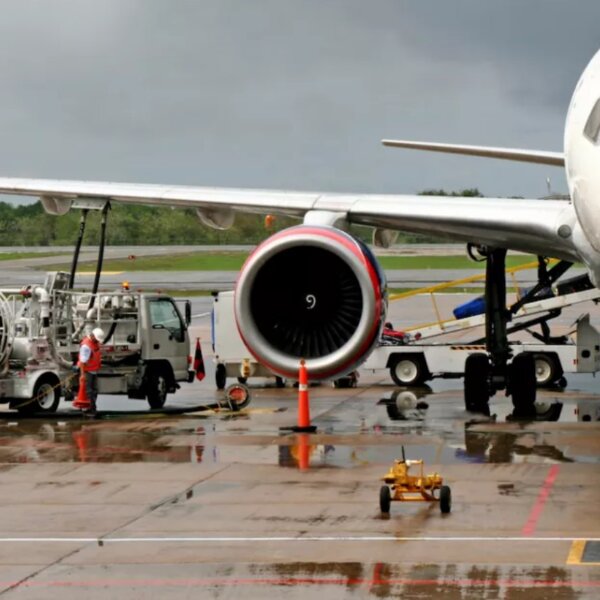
<point>145,352</point>
<point>416,362</point>
<point>232,358</point>
<point>402,487</point>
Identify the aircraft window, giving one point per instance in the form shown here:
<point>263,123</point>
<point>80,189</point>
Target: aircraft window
<point>592,126</point>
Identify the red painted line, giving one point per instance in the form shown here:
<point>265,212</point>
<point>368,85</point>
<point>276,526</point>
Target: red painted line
<point>538,507</point>
<point>299,581</point>
<point>377,574</point>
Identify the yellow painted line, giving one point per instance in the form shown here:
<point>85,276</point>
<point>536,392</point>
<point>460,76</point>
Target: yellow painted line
<point>102,273</point>
<point>576,552</point>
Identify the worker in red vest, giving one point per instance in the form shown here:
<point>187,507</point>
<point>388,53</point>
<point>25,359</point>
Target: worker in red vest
<point>90,360</point>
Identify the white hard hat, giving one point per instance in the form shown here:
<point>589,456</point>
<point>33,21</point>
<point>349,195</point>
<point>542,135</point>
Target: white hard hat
<point>98,334</point>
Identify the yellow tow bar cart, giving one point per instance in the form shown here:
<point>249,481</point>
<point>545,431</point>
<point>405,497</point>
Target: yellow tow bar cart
<point>402,487</point>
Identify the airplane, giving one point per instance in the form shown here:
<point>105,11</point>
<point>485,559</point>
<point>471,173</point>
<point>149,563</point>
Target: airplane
<point>315,292</point>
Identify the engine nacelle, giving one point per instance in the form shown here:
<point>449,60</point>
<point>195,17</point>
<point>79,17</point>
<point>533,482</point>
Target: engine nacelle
<point>312,293</point>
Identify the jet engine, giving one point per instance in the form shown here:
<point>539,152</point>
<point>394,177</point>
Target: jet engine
<point>313,293</point>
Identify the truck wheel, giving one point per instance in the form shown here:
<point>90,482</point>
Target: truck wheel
<point>157,386</point>
<point>45,398</point>
<point>546,370</point>
<point>522,384</point>
<point>477,395</point>
<point>220,376</point>
<point>384,499</point>
<point>407,371</point>
<point>445,499</point>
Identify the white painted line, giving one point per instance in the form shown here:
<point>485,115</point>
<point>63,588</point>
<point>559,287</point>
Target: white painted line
<point>341,538</point>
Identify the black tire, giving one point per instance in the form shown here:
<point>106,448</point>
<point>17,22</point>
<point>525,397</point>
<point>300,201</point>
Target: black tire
<point>45,398</point>
<point>477,392</point>
<point>157,386</point>
<point>546,370</point>
<point>385,499</point>
<point>220,376</point>
<point>562,382</point>
<point>279,382</point>
<point>445,499</point>
<point>407,370</point>
<point>522,385</point>
<point>350,381</point>
<point>242,379</point>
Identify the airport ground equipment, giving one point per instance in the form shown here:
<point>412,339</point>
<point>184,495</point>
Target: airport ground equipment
<point>415,362</point>
<point>400,486</point>
<point>497,367</point>
<point>145,353</point>
<point>232,358</point>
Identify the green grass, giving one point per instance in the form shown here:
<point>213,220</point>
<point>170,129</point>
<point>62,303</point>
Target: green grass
<point>198,261</point>
<point>19,255</point>
<point>232,261</point>
<point>445,262</point>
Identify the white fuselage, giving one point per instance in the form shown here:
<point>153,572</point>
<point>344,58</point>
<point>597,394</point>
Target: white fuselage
<point>582,162</point>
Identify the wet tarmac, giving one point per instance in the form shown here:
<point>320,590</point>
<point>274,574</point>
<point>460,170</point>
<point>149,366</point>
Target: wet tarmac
<point>218,503</point>
<point>214,503</point>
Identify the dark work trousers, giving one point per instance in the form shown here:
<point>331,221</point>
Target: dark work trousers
<point>91,388</point>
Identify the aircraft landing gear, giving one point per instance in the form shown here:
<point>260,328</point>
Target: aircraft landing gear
<point>485,374</point>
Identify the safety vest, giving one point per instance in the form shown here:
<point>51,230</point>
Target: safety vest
<point>95,361</point>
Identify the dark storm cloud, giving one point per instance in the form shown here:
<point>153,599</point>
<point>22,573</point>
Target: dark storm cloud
<point>275,93</point>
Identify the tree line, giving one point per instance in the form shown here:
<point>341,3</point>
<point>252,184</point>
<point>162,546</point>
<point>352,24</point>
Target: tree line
<point>29,225</point>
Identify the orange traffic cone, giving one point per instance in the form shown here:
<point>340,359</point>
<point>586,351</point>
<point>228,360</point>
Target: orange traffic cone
<point>303,452</point>
<point>82,402</point>
<point>303,403</point>
<point>81,439</point>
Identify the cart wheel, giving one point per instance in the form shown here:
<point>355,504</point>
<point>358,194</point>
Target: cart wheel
<point>384,499</point>
<point>220,376</point>
<point>445,499</point>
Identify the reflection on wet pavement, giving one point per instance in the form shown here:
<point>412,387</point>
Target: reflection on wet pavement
<point>432,425</point>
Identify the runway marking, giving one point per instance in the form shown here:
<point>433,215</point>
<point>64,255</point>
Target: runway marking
<point>255,539</point>
<point>584,554</point>
<point>538,507</point>
<point>576,552</point>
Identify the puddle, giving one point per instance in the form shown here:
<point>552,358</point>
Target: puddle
<point>363,430</point>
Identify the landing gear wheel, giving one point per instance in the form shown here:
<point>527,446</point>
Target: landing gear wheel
<point>220,376</point>
<point>45,398</point>
<point>350,381</point>
<point>385,499</point>
<point>522,385</point>
<point>477,393</point>
<point>407,371</point>
<point>279,382</point>
<point>157,388</point>
<point>445,499</point>
<point>546,370</point>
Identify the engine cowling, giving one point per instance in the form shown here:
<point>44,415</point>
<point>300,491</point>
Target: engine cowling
<point>312,293</point>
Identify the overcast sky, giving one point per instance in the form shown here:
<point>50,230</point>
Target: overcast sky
<point>288,94</point>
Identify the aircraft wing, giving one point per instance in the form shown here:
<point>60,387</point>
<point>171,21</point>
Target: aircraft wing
<point>518,224</point>
<point>541,157</point>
